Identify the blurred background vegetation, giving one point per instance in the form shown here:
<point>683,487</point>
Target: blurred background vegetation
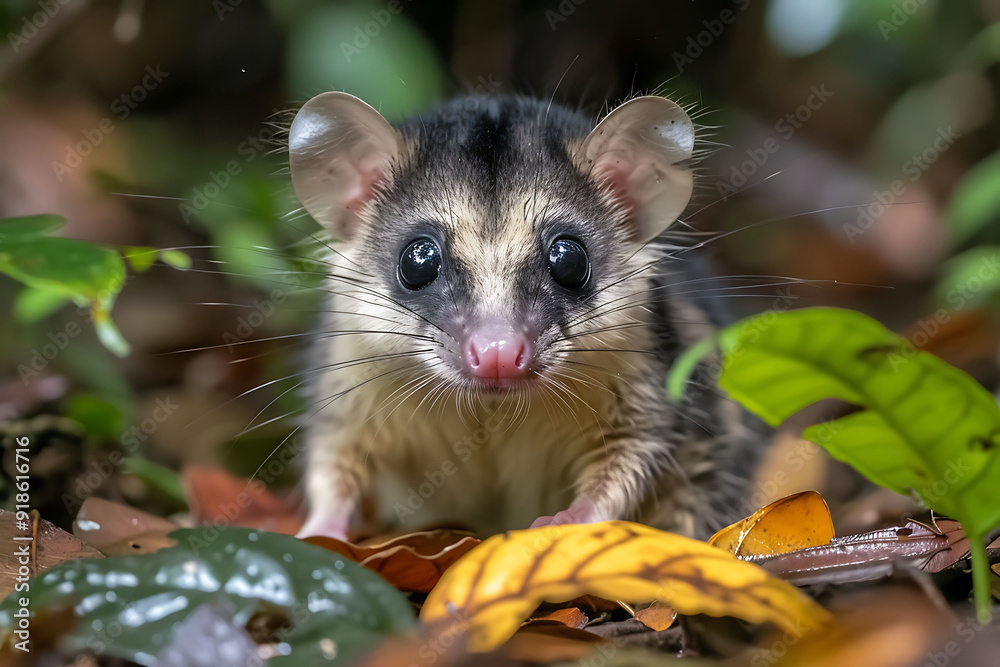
<point>851,144</point>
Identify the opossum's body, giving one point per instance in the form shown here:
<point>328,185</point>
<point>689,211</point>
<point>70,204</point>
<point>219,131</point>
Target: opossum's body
<point>500,324</point>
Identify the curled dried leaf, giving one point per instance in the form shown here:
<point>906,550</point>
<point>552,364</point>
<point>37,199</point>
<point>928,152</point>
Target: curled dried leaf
<point>413,562</point>
<point>494,587</point>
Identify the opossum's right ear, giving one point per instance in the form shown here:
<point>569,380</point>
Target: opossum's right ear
<point>340,149</point>
<point>640,150</point>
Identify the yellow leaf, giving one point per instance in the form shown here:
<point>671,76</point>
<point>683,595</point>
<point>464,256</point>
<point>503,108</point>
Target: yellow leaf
<point>499,583</point>
<point>794,522</point>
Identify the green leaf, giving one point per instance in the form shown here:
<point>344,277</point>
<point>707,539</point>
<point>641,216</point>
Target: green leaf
<point>159,477</point>
<point>81,270</point>
<point>333,605</point>
<point>107,332</point>
<point>396,71</point>
<point>971,279</point>
<point>97,416</point>
<point>140,258</point>
<point>176,259</point>
<point>16,230</point>
<point>976,201</point>
<point>984,49</point>
<point>87,273</point>
<point>924,426</point>
<point>35,303</point>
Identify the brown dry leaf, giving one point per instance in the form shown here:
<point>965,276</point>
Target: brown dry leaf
<point>657,616</point>
<point>591,605</point>
<point>571,617</point>
<point>48,547</point>
<point>497,585</point>
<point>412,563</point>
<point>216,495</point>
<point>119,530</point>
<point>797,521</point>
<point>930,547</point>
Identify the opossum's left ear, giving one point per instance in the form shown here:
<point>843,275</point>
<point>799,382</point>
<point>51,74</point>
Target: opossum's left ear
<point>340,149</point>
<point>640,149</point>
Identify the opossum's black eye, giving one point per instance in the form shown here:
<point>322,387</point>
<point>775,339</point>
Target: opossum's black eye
<point>419,264</point>
<point>568,263</point>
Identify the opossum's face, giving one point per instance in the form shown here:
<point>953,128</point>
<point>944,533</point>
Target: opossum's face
<point>496,244</point>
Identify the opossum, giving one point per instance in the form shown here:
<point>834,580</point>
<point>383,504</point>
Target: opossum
<point>502,312</point>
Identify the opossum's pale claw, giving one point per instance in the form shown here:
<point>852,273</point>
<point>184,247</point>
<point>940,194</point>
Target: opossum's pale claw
<point>582,512</point>
<point>325,524</point>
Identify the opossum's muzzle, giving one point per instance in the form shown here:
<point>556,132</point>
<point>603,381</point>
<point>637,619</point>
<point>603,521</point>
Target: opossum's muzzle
<point>497,350</point>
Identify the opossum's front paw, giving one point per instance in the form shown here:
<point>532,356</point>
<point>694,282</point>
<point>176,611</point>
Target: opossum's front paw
<point>582,512</point>
<point>326,524</point>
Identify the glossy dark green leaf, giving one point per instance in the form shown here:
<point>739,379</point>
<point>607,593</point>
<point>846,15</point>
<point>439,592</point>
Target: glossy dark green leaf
<point>130,606</point>
<point>924,426</point>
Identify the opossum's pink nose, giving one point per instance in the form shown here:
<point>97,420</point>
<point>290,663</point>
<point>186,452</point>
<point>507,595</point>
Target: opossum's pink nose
<point>495,351</point>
